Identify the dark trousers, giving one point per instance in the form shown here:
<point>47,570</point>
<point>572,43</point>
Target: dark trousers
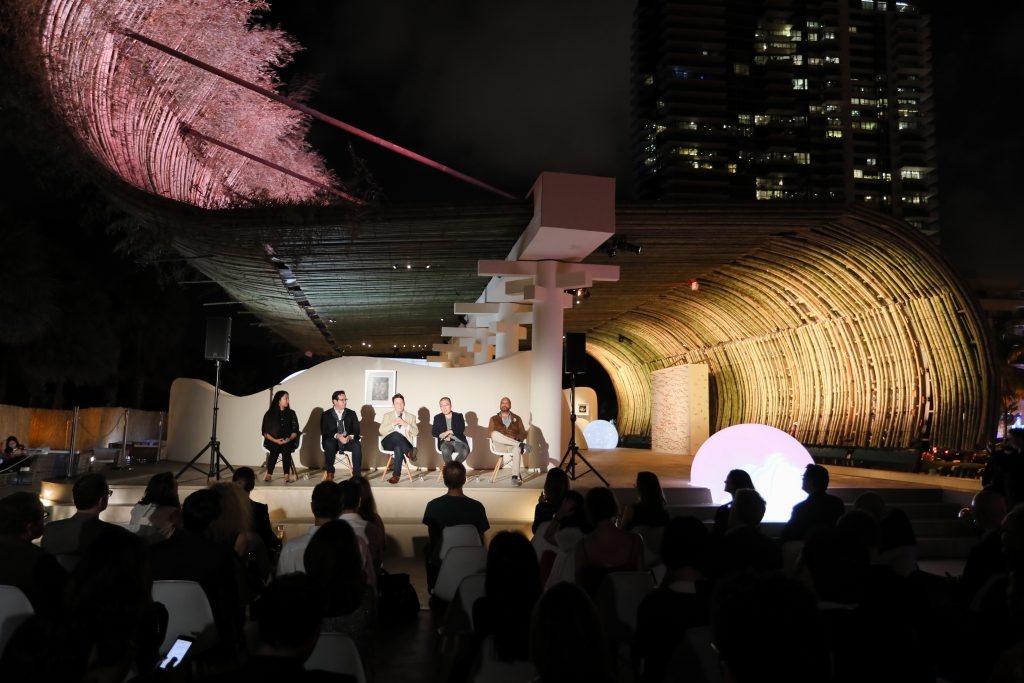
<point>399,446</point>
<point>333,446</point>
<point>274,451</point>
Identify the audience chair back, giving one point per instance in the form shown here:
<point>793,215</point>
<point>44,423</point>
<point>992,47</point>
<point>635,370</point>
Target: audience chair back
<point>14,609</point>
<point>541,544</point>
<point>188,613</point>
<point>695,651</point>
<point>618,599</point>
<point>298,449</point>
<point>336,653</point>
<point>459,563</point>
<point>458,535</point>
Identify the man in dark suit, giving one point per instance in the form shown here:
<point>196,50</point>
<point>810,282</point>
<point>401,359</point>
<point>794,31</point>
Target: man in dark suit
<point>339,431</point>
<point>67,539</point>
<point>245,479</point>
<point>820,509</point>
<point>450,431</point>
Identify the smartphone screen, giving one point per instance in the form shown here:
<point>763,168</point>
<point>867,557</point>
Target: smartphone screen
<point>176,653</point>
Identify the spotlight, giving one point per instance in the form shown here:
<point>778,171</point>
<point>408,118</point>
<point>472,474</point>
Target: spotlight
<point>617,242</point>
<point>694,285</point>
<point>394,266</point>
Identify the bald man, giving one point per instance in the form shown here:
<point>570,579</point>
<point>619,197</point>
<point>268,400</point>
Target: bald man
<point>507,430</point>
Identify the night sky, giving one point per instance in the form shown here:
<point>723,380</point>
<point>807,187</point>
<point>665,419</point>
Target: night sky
<point>498,90</point>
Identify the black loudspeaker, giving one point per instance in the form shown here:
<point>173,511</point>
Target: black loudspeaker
<point>575,353</point>
<point>218,339</point>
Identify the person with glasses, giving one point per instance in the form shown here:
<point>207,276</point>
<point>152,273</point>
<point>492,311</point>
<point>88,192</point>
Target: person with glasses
<point>449,428</point>
<point>339,431</point>
<point>68,539</point>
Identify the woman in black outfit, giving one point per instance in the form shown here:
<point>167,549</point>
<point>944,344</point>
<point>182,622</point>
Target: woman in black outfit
<point>280,435</point>
<point>734,481</point>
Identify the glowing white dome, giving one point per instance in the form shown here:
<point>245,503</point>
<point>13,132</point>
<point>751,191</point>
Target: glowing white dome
<point>601,434</point>
<point>774,460</point>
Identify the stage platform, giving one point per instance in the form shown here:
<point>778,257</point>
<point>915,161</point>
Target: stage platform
<point>933,500</point>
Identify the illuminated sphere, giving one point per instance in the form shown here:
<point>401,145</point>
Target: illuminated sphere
<point>601,434</point>
<point>774,460</point>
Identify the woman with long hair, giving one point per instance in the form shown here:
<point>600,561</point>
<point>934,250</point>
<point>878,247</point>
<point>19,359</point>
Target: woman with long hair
<point>158,512</point>
<point>376,536</point>
<point>649,510</point>
<point>280,435</point>
<point>334,564</point>
<point>734,481</point>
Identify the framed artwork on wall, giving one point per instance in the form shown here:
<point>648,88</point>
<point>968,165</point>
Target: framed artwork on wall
<point>379,387</point>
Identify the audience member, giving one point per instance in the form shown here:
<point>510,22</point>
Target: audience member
<point>512,587</point>
<point>820,509</point>
<point>734,481</point>
<point>897,540</point>
<point>681,601</point>
<point>289,616</point>
<point>158,512</point>
<point>263,544</point>
<point>326,506</point>
<point>985,558</point>
<point>333,563</point>
<point>349,503</point>
<point>12,453</point>
<point>451,509</point>
<point>767,628</point>
<point>375,532</point>
<point>607,548</point>
<point>744,548</point>
<point>567,527</point>
<point>649,510</point>
<point>22,563</point>
<point>566,638</point>
<point>556,483</point>
<point>68,539</point>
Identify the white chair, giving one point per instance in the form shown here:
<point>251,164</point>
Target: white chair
<point>541,544</point>
<point>652,543</point>
<point>342,458</point>
<point>505,454</point>
<point>437,449</point>
<point>188,613</point>
<point>459,563</point>
<point>14,609</point>
<point>458,535</point>
<point>618,598</point>
<point>458,618</point>
<point>408,466</point>
<point>336,653</point>
<point>295,453</point>
<point>902,559</point>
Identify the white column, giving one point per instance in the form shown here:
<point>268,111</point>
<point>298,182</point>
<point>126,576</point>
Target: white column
<point>546,375</point>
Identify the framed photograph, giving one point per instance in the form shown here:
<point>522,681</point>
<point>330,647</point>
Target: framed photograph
<point>379,387</point>
<point>583,409</point>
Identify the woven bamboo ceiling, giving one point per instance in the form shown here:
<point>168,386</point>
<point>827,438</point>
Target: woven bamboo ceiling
<point>842,321</point>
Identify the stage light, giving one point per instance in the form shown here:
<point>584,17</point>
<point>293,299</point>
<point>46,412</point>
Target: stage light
<point>694,285</point>
<point>774,460</point>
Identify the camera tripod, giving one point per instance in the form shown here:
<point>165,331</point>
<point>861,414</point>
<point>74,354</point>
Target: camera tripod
<point>216,456</point>
<point>572,451</point>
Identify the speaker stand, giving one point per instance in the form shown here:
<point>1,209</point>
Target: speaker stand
<point>572,452</point>
<point>216,456</point>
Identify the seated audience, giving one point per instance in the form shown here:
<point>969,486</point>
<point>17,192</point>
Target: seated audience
<point>349,501</point>
<point>264,545</point>
<point>744,547</point>
<point>349,603</point>
<point>326,506</point>
<point>22,563</point>
<point>820,509</point>
<point>985,558</point>
<point>649,510</point>
<point>607,548</point>
<point>681,601</point>
<point>567,527</point>
<point>566,638</point>
<point>12,453</point>
<point>556,484</point>
<point>158,512</point>
<point>68,539</point>
<point>376,535</point>
<point>451,509</point>
<point>734,481</point>
<point>512,587</point>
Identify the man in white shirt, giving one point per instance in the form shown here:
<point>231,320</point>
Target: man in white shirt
<point>325,505</point>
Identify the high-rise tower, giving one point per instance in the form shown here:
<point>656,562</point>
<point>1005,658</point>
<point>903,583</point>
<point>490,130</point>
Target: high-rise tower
<point>786,100</point>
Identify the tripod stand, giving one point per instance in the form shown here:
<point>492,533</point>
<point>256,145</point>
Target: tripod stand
<point>214,445</point>
<point>572,451</point>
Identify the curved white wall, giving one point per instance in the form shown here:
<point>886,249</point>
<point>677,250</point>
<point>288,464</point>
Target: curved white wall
<point>475,392</point>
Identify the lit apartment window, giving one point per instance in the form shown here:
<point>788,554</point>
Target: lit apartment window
<point>802,158</point>
<point>743,118</point>
<point>798,59</point>
<point>741,69</point>
<point>648,79</point>
<point>911,174</point>
<point>871,161</point>
<point>857,173</point>
<point>833,133</point>
<point>762,119</point>
<point>686,151</point>
<point>731,168</point>
<point>799,84</point>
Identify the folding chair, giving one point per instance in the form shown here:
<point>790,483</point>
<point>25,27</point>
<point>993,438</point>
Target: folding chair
<point>188,612</point>
<point>14,609</point>
<point>458,535</point>
<point>336,653</point>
